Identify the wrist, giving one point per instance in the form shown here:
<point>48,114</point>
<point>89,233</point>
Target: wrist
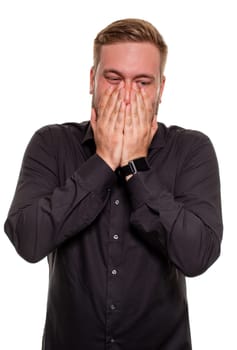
<point>134,166</point>
<point>128,177</point>
<point>107,161</point>
<point>126,160</point>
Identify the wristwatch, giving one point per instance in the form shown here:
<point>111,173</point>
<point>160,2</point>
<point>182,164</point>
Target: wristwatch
<point>135,165</point>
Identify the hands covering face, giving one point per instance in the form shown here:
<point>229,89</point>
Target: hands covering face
<point>123,131</point>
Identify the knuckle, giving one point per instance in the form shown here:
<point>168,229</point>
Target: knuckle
<point>150,109</point>
<point>101,106</point>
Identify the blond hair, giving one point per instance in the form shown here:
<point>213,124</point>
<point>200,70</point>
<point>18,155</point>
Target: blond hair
<point>130,29</point>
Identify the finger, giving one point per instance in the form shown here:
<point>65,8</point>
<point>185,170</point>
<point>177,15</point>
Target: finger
<point>154,124</point>
<point>148,104</point>
<point>93,119</point>
<point>116,100</point>
<point>154,128</point>
<point>115,105</point>
<point>104,101</point>
<point>134,109</point>
<point>119,125</point>
<point>128,119</point>
<point>121,106</point>
<point>109,109</point>
<point>141,108</point>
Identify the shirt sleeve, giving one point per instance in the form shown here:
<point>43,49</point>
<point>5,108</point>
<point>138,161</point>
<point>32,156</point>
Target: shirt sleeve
<point>43,214</point>
<point>186,224</point>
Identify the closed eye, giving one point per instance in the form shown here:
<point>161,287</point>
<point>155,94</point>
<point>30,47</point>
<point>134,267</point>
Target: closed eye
<point>113,79</point>
<point>143,82</point>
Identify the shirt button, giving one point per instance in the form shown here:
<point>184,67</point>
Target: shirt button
<point>115,236</point>
<point>114,272</point>
<point>116,202</point>
<point>112,307</point>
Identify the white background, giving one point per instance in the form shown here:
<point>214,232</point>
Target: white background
<point>46,54</point>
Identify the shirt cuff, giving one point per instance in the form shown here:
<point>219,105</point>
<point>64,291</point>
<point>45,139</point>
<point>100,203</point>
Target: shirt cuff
<point>96,175</point>
<point>137,190</point>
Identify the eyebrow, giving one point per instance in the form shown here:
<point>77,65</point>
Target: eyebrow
<point>142,75</point>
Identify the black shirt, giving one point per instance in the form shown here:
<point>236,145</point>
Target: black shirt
<point>118,251</point>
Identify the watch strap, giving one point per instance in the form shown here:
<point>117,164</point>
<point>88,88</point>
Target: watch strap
<point>134,166</point>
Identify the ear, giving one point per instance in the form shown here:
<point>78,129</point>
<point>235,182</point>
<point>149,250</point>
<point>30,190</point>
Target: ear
<point>92,80</point>
<point>162,86</point>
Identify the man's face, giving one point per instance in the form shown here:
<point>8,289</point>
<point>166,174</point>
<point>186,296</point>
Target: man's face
<point>130,63</point>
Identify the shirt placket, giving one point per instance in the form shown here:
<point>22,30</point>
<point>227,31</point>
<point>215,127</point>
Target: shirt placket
<point>115,268</point>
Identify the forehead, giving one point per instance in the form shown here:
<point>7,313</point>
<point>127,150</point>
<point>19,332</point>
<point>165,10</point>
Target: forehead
<point>129,57</point>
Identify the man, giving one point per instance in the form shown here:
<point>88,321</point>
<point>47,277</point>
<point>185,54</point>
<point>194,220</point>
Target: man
<point>122,206</point>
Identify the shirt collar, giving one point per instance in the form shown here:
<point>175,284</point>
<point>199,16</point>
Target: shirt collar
<point>88,134</point>
<point>159,138</point>
<point>157,142</point>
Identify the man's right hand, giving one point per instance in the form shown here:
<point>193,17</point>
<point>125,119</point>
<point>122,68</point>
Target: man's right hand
<point>107,122</point>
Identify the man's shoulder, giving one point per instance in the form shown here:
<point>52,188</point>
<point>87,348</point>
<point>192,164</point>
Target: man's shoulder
<point>64,130</point>
<point>185,136</point>
<point>64,127</point>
